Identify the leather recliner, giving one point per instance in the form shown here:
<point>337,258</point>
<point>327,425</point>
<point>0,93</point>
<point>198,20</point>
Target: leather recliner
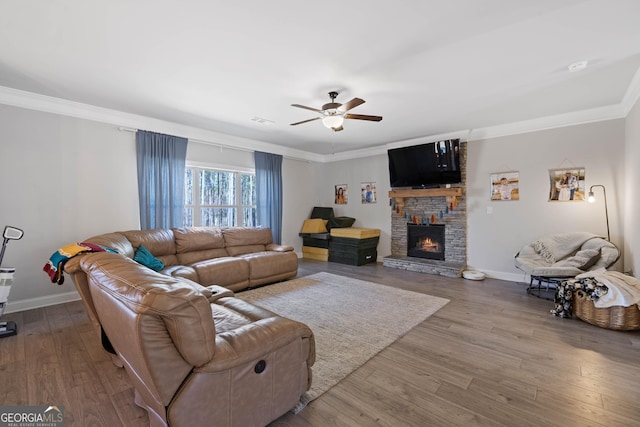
<point>197,355</point>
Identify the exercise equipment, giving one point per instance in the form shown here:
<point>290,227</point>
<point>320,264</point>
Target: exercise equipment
<point>9,328</point>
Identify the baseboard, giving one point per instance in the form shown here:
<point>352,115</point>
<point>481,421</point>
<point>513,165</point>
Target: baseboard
<point>31,303</point>
<point>502,275</point>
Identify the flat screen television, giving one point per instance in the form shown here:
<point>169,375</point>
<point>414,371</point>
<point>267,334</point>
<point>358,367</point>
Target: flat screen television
<point>426,165</point>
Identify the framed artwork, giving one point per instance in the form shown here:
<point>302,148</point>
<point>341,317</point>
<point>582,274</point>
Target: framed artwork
<point>368,190</point>
<point>505,186</point>
<point>341,194</point>
<point>566,185</point>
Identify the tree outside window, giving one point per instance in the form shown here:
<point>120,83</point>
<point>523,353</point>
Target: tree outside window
<point>219,198</point>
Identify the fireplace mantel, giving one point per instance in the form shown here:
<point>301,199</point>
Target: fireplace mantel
<point>449,193</point>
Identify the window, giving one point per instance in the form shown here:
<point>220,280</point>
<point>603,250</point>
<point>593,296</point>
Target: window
<point>219,198</point>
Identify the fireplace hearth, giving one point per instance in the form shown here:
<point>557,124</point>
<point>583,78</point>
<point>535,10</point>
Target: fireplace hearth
<point>426,241</point>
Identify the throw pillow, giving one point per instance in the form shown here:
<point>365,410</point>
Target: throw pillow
<point>144,257</point>
<point>582,260</point>
<point>592,256</point>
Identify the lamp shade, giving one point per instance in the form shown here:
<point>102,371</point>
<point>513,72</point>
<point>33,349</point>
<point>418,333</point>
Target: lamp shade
<point>333,121</point>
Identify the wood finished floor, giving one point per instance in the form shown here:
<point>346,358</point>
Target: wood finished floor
<point>492,356</point>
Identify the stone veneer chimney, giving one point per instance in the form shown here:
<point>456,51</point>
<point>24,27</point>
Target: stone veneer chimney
<point>455,222</point>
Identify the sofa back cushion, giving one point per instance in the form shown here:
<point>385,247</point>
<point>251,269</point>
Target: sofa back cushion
<point>199,243</point>
<point>115,241</point>
<point>198,238</point>
<point>160,242</point>
<point>244,240</point>
<point>160,326</point>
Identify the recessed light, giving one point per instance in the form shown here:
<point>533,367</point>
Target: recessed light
<point>577,66</point>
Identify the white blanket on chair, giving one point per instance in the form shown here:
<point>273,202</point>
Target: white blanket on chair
<point>623,291</point>
<point>555,247</point>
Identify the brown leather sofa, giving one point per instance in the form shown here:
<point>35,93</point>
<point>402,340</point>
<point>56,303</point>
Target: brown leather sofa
<point>196,355</point>
<point>235,258</point>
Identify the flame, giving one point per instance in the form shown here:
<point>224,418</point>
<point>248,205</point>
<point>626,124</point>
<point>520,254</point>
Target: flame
<point>428,245</point>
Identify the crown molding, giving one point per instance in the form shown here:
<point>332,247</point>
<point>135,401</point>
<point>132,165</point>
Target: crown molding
<point>33,101</point>
<point>128,121</point>
<point>610,112</point>
<point>632,95</point>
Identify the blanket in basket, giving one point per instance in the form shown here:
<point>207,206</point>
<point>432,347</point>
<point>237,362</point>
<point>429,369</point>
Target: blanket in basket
<point>605,288</point>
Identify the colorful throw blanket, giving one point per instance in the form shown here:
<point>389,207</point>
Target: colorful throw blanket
<point>54,267</point>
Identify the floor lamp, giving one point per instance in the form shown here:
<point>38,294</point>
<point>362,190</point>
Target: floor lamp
<point>592,199</point>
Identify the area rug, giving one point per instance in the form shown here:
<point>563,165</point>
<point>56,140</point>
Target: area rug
<point>352,320</point>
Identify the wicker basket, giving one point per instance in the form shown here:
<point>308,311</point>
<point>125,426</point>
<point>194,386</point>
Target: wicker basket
<point>618,317</point>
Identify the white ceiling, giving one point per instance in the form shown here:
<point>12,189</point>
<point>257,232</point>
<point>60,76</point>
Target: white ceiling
<point>428,67</point>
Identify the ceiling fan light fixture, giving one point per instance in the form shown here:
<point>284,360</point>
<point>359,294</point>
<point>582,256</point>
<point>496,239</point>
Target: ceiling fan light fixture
<point>333,121</point>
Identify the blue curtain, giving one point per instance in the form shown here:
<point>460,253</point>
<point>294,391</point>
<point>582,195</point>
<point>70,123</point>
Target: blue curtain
<point>161,166</point>
<point>269,192</point>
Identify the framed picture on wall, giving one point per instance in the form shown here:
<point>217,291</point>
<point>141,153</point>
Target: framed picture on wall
<point>566,185</point>
<point>505,186</point>
<point>341,194</point>
<point>368,190</point>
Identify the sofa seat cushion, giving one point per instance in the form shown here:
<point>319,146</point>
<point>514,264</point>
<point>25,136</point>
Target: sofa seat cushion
<point>268,263</point>
<point>232,273</point>
<point>245,249</point>
<point>188,258</point>
<point>182,271</point>
<point>230,314</point>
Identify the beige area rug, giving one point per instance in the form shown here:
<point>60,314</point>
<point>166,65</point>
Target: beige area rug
<point>352,320</point>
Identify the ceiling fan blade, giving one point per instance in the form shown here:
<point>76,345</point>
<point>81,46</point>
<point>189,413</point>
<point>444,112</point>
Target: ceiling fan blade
<point>338,129</point>
<point>306,108</point>
<point>351,104</point>
<point>305,121</point>
<point>363,117</point>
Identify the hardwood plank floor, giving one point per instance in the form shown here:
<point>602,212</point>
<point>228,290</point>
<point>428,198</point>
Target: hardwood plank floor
<point>492,356</point>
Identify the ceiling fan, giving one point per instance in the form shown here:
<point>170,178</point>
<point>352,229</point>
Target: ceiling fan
<point>334,113</point>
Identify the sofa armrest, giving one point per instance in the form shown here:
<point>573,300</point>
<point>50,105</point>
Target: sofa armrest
<point>72,266</point>
<point>279,248</point>
<point>250,342</point>
<point>216,292</point>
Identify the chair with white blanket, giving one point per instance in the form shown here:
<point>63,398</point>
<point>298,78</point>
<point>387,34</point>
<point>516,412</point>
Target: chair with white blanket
<point>553,258</point>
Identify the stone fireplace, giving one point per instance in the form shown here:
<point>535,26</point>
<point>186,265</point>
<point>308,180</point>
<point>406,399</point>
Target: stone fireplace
<point>442,208</point>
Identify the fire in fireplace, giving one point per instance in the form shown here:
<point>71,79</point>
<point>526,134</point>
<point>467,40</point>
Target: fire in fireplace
<point>426,241</point>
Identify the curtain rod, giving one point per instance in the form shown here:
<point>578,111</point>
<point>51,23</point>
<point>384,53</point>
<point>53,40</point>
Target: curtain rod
<point>221,146</point>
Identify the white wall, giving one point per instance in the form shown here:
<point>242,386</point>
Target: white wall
<point>63,180</point>
<point>632,177</point>
<point>299,180</point>
<point>495,238</point>
<point>353,173</point>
